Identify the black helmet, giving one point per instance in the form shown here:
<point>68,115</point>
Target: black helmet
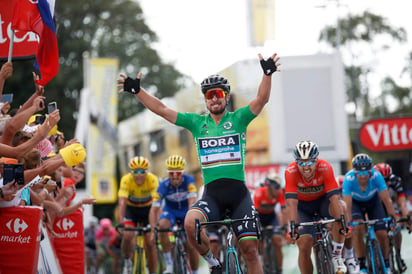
<point>362,162</point>
<point>215,81</point>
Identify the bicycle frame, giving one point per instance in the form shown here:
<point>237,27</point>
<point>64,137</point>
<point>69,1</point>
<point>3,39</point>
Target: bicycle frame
<point>231,264</point>
<point>375,259</point>
<point>139,256</point>
<point>322,248</point>
<point>179,253</point>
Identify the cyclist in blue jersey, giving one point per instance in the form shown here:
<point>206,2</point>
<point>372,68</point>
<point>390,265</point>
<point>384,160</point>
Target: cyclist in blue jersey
<point>178,192</point>
<point>365,192</point>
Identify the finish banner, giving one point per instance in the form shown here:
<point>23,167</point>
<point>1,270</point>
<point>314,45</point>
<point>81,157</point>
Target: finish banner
<point>25,43</point>
<point>20,233</point>
<point>69,242</point>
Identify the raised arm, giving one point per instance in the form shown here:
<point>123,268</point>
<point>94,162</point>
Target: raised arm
<point>5,72</point>
<point>269,66</point>
<point>152,103</point>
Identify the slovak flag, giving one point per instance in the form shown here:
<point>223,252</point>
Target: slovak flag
<point>36,16</point>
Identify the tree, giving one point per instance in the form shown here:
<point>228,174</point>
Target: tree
<point>357,33</point>
<point>103,28</point>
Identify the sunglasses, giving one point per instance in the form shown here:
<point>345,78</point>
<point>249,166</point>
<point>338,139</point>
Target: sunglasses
<point>218,93</point>
<point>175,173</point>
<point>78,171</point>
<point>308,163</point>
<point>363,173</point>
<point>275,186</point>
<point>139,171</point>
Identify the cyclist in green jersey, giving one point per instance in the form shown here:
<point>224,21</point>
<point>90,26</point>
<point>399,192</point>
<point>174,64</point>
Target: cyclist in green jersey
<point>220,139</point>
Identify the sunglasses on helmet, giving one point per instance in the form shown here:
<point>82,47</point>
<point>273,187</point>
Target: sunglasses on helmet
<point>218,93</point>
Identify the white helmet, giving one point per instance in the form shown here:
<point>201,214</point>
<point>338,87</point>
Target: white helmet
<point>306,150</point>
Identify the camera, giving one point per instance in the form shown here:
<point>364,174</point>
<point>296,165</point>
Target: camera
<point>13,172</point>
<point>52,106</point>
<point>40,119</point>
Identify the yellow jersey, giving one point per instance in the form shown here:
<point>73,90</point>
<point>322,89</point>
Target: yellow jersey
<point>138,195</point>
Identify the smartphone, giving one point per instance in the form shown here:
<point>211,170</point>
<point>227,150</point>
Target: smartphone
<point>52,106</point>
<point>39,119</point>
<point>8,97</point>
<point>13,172</point>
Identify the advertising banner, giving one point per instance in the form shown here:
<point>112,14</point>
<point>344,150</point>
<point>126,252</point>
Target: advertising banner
<point>256,174</point>
<point>387,134</point>
<point>20,233</point>
<point>69,242</point>
<point>100,153</point>
<point>25,43</point>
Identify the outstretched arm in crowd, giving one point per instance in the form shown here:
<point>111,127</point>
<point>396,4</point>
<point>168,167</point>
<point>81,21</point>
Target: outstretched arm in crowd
<point>5,72</point>
<point>41,133</point>
<point>39,92</point>
<point>20,119</point>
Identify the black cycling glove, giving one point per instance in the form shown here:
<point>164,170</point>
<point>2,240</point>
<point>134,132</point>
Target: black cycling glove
<point>268,66</point>
<point>131,85</point>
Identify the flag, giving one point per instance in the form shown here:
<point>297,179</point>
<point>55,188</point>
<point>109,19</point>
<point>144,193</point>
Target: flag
<point>35,16</point>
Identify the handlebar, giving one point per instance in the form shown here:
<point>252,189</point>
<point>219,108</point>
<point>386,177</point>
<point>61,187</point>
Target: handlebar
<point>226,222</point>
<point>139,229</point>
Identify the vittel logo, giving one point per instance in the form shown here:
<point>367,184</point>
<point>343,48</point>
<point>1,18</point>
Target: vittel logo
<point>387,134</point>
<point>65,224</point>
<point>17,225</point>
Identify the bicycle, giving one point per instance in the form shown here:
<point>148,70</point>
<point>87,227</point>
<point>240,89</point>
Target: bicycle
<point>180,264</point>
<point>139,256</point>
<point>231,263</point>
<point>268,254</point>
<point>375,262</point>
<point>395,262</point>
<point>323,246</point>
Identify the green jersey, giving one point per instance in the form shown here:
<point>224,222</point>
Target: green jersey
<point>220,148</point>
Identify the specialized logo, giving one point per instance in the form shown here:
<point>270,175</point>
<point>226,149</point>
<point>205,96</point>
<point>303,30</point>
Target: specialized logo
<point>227,125</point>
<point>65,224</point>
<point>17,225</point>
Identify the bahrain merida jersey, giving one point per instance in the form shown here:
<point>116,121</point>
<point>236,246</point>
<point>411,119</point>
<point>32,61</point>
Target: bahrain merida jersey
<point>220,148</point>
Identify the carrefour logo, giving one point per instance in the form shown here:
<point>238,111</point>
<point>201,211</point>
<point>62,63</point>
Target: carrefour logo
<point>65,224</point>
<point>17,225</point>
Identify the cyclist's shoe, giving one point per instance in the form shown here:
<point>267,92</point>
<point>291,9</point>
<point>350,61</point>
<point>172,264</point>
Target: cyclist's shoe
<point>127,267</point>
<point>217,269</point>
<point>363,270</point>
<point>352,265</point>
<point>169,269</point>
<point>339,265</point>
<point>403,266</point>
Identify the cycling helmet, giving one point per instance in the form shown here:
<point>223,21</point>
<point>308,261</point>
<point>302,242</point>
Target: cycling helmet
<point>175,162</point>
<point>384,169</point>
<point>362,162</point>
<point>215,81</point>
<point>306,150</point>
<point>273,180</point>
<point>105,223</point>
<point>138,162</point>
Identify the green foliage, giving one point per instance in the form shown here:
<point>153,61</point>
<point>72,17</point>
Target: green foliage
<point>110,29</point>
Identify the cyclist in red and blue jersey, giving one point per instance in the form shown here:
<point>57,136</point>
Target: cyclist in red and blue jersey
<point>364,190</point>
<point>398,196</point>
<point>178,192</point>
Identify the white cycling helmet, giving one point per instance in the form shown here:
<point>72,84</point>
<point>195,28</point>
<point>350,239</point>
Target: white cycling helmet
<point>306,150</point>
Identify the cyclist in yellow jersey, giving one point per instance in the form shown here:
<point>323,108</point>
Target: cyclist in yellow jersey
<point>136,193</point>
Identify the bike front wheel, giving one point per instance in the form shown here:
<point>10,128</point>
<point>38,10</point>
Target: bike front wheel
<point>179,258</point>
<point>323,261</point>
<point>232,264</point>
